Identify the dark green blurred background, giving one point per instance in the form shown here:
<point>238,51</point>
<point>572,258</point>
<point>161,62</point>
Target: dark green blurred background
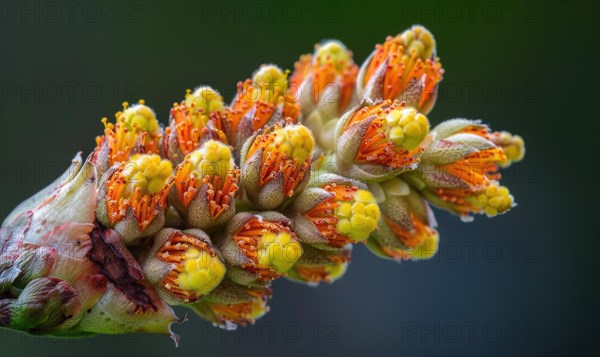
<point>526,283</point>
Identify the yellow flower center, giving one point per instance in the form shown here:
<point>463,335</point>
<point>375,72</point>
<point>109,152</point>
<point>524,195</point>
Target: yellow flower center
<point>292,142</point>
<point>406,127</point>
<point>147,172</point>
<point>419,40</point>
<point>212,159</point>
<point>358,218</point>
<point>512,145</point>
<point>271,82</point>
<point>197,269</point>
<point>333,52</point>
<point>139,117</point>
<point>493,200</point>
<point>201,272</point>
<point>207,100</point>
<point>394,135</point>
<point>278,250</point>
<point>271,247</point>
<point>286,149</point>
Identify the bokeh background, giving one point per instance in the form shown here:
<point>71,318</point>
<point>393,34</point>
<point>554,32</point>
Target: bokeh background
<point>526,283</point>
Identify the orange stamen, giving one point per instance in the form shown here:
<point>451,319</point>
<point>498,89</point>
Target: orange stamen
<point>477,169</point>
<point>189,133</point>
<point>413,238</point>
<point>458,197</point>
<point>302,69</point>
<point>477,130</point>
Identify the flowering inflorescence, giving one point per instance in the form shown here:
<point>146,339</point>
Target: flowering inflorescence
<point>208,210</point>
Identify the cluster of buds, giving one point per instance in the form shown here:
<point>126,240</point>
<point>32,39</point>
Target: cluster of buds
<point>459,168</point>
<point>208,211</point>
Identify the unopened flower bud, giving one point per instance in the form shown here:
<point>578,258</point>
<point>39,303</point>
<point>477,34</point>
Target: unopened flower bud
<point>458,165</point>
<point>460,156</point>
<point>316,266</point>
<point>275,164</point>
<point>140,117</point>
<point>271,81</point>
<point>205,185</point>
<point>404,68</point>
<point>259,247</point>
<point>407,225</point>
<point>48,235</point>
<point>378,141</point>
<point>136,131</point>
<point>43,305</point>
<point>67,203</point>
<point>205,100</point>
<point>193,122</point>
<point>491,200</point>
<point>183,266</point>
<point>133,196</point>
<point>230,305</point>
<point>333,212</point>
<point>260,101</point>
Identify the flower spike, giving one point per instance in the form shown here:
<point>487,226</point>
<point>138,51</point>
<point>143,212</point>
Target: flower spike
<point>207,213</point>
